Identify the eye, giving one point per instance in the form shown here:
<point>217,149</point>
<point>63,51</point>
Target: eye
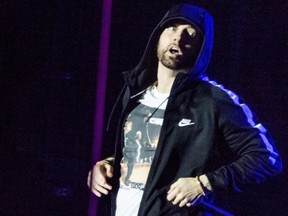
<point>171,28</point>
<point>191,32</point>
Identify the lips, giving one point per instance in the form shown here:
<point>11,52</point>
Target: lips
<point>175,50</point>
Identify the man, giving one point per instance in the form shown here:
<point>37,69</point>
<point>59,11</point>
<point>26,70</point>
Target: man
<point>181,137</point>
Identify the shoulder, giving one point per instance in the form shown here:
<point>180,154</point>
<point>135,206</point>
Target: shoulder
<point>213,91</point>
<point>223,100</point>
<point>219,93</point>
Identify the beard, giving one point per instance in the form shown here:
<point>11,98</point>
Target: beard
<point>175,62</point>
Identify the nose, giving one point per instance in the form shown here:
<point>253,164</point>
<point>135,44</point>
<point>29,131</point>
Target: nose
<point>179,36</point>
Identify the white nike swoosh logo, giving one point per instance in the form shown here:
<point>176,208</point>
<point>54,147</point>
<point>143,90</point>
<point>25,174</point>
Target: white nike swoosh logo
<point>185,122</point>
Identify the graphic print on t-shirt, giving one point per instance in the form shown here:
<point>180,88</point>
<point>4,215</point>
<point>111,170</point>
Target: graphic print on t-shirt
<point>141,134</point>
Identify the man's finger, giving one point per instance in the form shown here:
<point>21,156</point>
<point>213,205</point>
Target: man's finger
<point>109,170</point>
<point>89,179</point>
<point>183,202</point>
<point>171,195</point>
<point>96,192</point>
<point>101,189</point>
<point>177,199</point>
<point>195,201</point>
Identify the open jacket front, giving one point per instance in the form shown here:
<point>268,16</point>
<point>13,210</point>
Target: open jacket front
<point>223,141</point>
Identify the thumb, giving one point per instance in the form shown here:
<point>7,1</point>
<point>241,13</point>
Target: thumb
<point>109,170</point>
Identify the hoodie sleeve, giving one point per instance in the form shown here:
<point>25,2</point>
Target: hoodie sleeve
<point>256,154</point>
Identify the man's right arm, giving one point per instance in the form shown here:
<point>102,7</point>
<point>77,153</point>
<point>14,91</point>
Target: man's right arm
<point>97,177</point>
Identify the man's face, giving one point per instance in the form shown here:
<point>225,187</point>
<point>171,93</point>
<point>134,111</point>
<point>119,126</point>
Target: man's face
<point>179,45</point>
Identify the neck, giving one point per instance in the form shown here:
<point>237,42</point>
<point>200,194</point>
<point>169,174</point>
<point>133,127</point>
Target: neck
<point>166,77</point>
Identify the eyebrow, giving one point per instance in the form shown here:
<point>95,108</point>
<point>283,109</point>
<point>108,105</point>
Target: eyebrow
<point>176,24</point>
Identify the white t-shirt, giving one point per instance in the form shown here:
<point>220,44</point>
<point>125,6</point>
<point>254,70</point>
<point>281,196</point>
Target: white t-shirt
<point>141,134</point>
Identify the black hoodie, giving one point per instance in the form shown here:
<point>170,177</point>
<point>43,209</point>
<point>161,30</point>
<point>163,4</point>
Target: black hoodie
<point>226,142</point>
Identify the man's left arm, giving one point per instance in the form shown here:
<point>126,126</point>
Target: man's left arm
<point>256,156</point>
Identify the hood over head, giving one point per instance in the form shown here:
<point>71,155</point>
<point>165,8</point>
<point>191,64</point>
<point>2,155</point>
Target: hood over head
<point>146,70</point>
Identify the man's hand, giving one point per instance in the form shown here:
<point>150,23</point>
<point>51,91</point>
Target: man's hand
<point>97,177</point>
<point>186,191</point>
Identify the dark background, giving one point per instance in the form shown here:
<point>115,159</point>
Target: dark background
<point>48,65</point>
